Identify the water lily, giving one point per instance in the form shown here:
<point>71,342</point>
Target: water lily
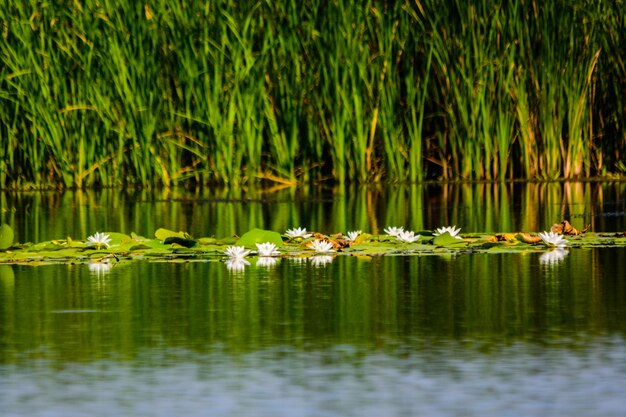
<point>407,236</point>
<point>98,240</point>
<point>266,261</point>
<point>552,239</point>
<point>351,236</point>
<point>298,232</point>
<point>454,232</point>
<point>394,231</point>
<point>553,256</point>
<point>236,263</point>
<point>267,249</point>
<point>321,246</point>
<point>238,252</point>
<point>320,260</point>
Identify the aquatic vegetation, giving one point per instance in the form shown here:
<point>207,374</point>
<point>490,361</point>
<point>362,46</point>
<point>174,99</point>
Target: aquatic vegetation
<point>351,236</point>
<point>397,91</point>
<point>450,229</point>
<point>98,240</point>
<point>237,252</point>
<point>6,236</point>
<point>256,236</point>
<point>407,236</point>
<point>394,231</point>
<point>267,249</point>
<point>299,232</point>
<point>553,239</point>
<point>321,246</point>
<point>179,246</point>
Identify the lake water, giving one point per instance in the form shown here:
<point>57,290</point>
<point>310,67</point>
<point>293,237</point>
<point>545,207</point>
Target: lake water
<point>466,335</point>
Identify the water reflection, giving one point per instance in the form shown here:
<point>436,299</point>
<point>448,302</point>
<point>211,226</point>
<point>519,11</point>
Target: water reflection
<point>237,264</point>
<point>476,334</point>
<point>321,260</point>
<point>266,261</point>
<point>511,207</point>
<point>493,298</point>
<point>553,256</point>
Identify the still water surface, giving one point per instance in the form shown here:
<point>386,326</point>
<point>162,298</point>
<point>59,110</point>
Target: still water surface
<point>469,335</point>
<point>476,208</point>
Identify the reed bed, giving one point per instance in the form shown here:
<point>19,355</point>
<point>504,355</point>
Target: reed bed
<point>164,93</point>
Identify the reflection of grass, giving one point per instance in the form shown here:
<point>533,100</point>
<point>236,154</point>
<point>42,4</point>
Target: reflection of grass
<point>96,94</point>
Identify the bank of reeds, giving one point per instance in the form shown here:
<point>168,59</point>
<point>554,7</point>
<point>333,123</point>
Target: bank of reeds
<point>163,93</point>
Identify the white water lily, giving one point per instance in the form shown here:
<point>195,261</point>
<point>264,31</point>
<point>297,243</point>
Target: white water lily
<point>321,260</point>
<point>321,246</point>
<point>553,256</point>
<point>266,261</point>
<point>98,240</point>
<point>407,236</point>
<point>298,232</point>
<point>351,236</point>
<point>394,231</point>
<point>238,252</point>
<point>454,232</point>
<point>267,249</point>
<point>236,264</point>
<point>553,240</point>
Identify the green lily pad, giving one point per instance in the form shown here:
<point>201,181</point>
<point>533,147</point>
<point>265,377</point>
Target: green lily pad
<point>254,236</point>
<point>170,237</point>
<point>446,239</point>
<point>6,237</point>
<point>163,234</point>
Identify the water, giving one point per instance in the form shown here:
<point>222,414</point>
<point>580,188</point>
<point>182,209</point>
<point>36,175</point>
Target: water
<point>471,335</point>
<point>467,335</point>
<point>42,216</point>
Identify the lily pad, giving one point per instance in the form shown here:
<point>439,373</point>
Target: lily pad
<point>163,234</point>
<point>6,237</point>
<point>254,236</point>
<point>170,237</point>
<point>446,239</point>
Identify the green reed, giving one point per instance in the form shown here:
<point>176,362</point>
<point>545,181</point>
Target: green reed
<point>106,94</point>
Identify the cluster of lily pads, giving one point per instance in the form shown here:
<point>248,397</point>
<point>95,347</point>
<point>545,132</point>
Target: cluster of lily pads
<point>268,247</point>
<point>322,247</point>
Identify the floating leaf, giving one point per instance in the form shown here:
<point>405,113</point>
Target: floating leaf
<point>6,237</point>
<point>361,238</point>
<point>187,243</point>
<point>163,234</point>
<point>527,238</point>
<point>446,239</point>
<point>254,236</point>
<point>564,228</point>
<point>118,238</point>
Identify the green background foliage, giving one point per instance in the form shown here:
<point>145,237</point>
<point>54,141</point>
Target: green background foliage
<point>161,93</point>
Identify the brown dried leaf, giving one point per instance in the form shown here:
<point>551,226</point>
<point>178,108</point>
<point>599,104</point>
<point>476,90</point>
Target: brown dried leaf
<point>565,228</point>
<point>504,237</point>
<point>527,238</point>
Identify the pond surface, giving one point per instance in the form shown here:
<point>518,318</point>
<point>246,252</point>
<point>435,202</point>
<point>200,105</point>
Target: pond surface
<point>502,334</point>
<point>42,216</point>
<point>472,335</point>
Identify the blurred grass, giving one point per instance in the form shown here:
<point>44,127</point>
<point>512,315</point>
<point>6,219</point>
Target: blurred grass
<point>166,93</point>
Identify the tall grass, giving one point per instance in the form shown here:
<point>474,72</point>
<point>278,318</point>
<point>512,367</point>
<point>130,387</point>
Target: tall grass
<point>163,93</point>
